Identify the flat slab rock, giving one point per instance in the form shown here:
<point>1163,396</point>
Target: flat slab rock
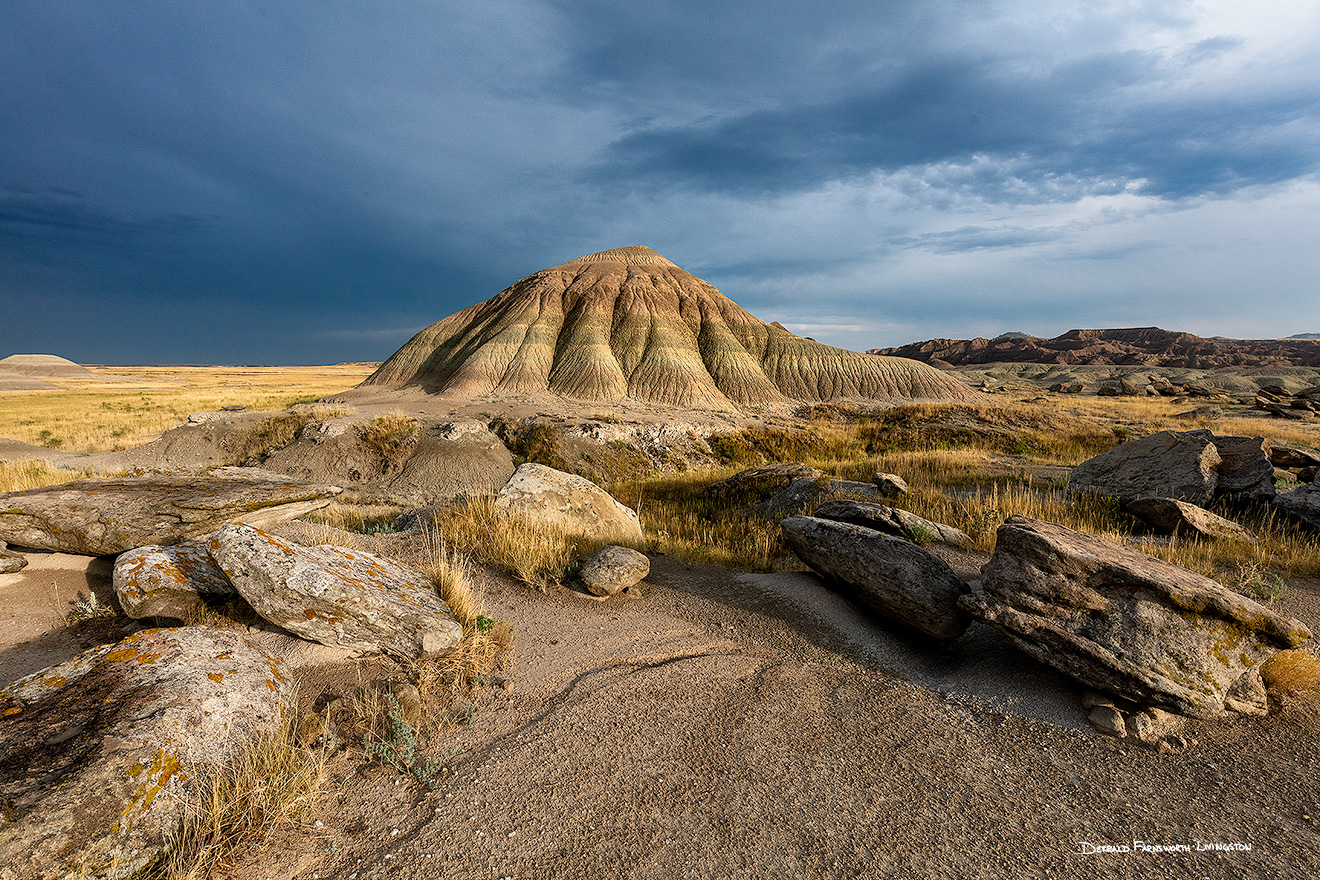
<point>891,576</point>
<point>1168,464</point>
<point>893,521</point>
<point>172,582</point>
<point>336,596</point>
<point>1128,624</point>
<point>97,753</point>
<point>546,495</point>
<point>1175,517</point>
<point>100,517</point>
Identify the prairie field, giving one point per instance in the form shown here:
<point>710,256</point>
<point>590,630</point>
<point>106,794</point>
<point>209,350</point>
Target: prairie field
<point>133,405</point>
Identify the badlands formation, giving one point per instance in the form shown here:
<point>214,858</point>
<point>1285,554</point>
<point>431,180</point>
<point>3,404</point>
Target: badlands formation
<point>628,323</point>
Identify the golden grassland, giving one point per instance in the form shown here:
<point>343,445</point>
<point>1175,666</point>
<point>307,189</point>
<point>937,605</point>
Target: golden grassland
<point>113,414</point>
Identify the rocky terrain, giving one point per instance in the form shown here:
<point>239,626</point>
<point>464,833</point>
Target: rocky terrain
<point>1134,346</point>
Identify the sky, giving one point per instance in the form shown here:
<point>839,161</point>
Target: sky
<point>314,182</point>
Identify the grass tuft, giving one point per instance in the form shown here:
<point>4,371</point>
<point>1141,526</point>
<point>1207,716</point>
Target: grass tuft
<point>270,782</point>
<point>389,438</point>
<point>1294,670</point>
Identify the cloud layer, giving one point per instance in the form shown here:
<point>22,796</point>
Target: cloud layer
<point>276,183</point>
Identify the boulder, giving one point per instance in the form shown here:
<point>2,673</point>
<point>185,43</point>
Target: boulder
<point>99,517</point>
<point>1209,411</point>
<point>10,561</point>
<point>336,596</point>
<point>1169,464</point>
<point>893,521</point>
<point>97,754</point>
<point>1245,472</point>
<point>891,576</point>
<point>764,480</point>
<point>1301,504</point>
<point>890,485</point>
<point>1175,517</point>
<point>1293,456</point>
<point>172,582</point>
<point>1123,622</point>
<point>575,503</point>
<point>613,569</point>
<point>802,494</point>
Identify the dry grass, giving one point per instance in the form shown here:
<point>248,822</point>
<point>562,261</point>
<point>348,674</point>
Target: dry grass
<point>16,476</point>
<point>270,782</point>
<point>87,416</point>
<point>538,554</point>
<point>485,640</point>
<point>1295,670</point>
<point>269,435</point>
<point>389,438</point>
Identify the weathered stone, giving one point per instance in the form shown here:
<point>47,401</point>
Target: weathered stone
<point>1128,388</point>
<point>893,521</point>
<point>97,754</point>
<point>99,517</point>
<point>172,582</point>
<point>546,495</point>
<point>890,485</point>
<point>1152,725</point>
<point>1108,720</point>
<point>10,561</point>
<point>1124,622</point>
<point>1247,695</point>
<point>1307,474</point>
<point>1293,456</point>
<point>1209,411</point>
<point>1178,517</point>
<point>803,493</point>
<point>336,596</point>
<point>891,576</point>
<point>763,480</point>
<point>1301,504</point>
<point>611,570</point>
<point>1169,464</point>
<point>1245,472</point>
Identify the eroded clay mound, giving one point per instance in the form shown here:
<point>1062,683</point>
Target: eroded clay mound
<point>629,323</point>
<point>45,366</point>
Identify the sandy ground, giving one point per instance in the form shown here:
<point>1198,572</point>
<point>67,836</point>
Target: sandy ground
<point>718,724</point>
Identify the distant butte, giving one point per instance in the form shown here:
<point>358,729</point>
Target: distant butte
<point>1137,346</point>
<point>628,323</point>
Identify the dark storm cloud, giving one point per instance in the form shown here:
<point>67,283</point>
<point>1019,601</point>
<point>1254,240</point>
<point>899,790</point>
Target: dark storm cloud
<point>282,181</point>
<point>1059,134</point>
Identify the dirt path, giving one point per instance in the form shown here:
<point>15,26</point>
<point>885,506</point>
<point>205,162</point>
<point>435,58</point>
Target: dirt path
<point>677,735</point>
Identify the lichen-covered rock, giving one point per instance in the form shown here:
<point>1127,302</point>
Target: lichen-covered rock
<point>889,575</point>
<point>613,569</point>
<point>97,753</point>
<point>1169,464</point>
<point>1175,517</point>
<point>893,521</point>
<point>1301,504</point>
<point>336,596</point>
<point>172,582</point>
<point>10,561</point>
<point>1125,623</point>
<point>762,480</point>
<point>99,517</point>
<point>543,494</point>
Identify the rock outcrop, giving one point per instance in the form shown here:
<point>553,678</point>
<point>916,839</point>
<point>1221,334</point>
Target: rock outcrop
<point>893,521</point>
<point>1175,517</point>
<point>613,569</point>
<point>173,582</point>
<point>1146,346</point>
<point>1168,464</point>
<point>890,576</point>
<point>628,323</point>
<point>1123,622</point>
<point>1301,504</point>
<point>575,503</point>
<point>1245,471</point>
<point>99,517</point>
<point>97,754</point>
<point>336,596</point>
